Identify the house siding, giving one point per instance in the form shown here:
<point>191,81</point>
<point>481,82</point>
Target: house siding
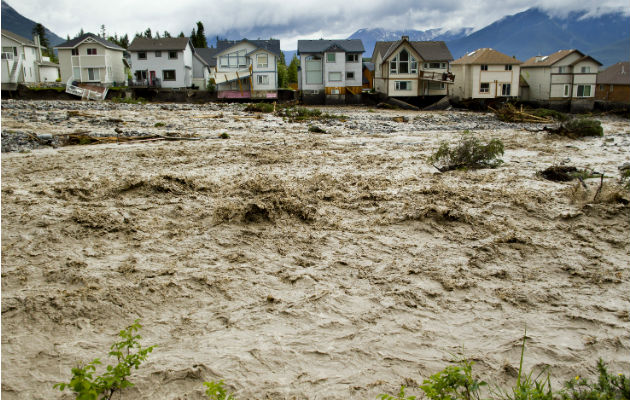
<point>182,65</point>
<point>468,80</point>
<point>103,59</point>
<point>613,93</point>
<point>28,71</point>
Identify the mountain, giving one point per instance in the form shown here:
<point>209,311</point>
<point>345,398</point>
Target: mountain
<point>370,36</point>
<point>533,32</point>
<point>13,21</point>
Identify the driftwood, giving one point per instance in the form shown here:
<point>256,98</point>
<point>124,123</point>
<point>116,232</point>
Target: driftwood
<point>509,113</point>
<point>82,139</point>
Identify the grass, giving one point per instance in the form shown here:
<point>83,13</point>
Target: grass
<point>129,100</point>
<point>56,89</point>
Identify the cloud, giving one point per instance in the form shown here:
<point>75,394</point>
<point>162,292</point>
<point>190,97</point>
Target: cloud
<point>284,20</point>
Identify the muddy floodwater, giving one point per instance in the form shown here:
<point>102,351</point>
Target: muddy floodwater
<point>302,265</point>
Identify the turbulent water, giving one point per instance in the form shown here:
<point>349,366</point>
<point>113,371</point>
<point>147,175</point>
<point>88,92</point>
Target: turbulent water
<point>304,265</point>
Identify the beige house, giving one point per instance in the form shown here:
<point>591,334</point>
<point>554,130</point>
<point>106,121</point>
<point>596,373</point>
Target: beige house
<point>485,74</point>
<point>23,62</point>
<point>405,68</point>
<point>564,76</point>
<point>90,59</point>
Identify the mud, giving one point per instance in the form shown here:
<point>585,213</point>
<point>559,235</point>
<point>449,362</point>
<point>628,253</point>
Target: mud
<point>305,265</point>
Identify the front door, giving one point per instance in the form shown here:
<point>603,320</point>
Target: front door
<point>152,76</point>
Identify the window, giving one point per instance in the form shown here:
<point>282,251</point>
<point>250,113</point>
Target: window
<point>262,61</point>
<point>8,53</point>
<point>158,53</point>
<point>94,74</point>
<point>426,66</point>
<point>434,65</point>
<point>403,85</point>
<point>352,58</point>
<point>334,76</point>
<point>91,52</point>
<point>586,70</point>
<point>224,61</point>
<point>392,66</point>
<point>563,70</point>
<point>566,91</point>
<point>141,75</point>
<point>404,63</point>
<point>484,67</point>
<point>262,79</point>
<point>443,65</point>
<point>76,73</point>
<point>506,89</point>
<point>508,67</point>
<point>584,90</point>
<point>330,57</point>
<point>484,88</point>
<point>168,74</point>
<point>349,76</point>
<point>172,55</point>
<point>601,87</point>
<point>142,55</point>
<point>313,70</point>
<point>75,52</point>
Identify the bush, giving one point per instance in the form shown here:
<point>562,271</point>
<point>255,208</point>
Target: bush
<point>469,153</point>
<point>607,387</point>
<point>579,127</point>
<point>453,382</point>
<point>216,391</point>
<point>260,107</point>
<point>129,354</point>
<point>224,135</point>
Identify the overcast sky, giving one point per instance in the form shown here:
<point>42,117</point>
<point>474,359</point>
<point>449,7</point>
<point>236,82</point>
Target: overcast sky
<point>285,19</point>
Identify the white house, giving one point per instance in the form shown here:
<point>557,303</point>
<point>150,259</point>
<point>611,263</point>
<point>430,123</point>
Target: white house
<point>405,68</point>
<point>166,62</point>
<point>22,62</point>
<point>485,74</point>
<point>90,59</point>
<point>563,77</point>
<point>247,69</point>
<point>331,71</point>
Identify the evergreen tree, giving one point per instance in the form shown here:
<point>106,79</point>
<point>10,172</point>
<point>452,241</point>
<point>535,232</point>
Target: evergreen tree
<point>166,34</point>
<point>292,71</point>
<point>103,33</point>
<point>40,31</point>
<point>181,34</point>
<point>193,38</point>
<point>124,41</point>
<point>147,34</point>
<point>201,36</point>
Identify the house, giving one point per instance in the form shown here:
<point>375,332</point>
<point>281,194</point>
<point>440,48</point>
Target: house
<point>207,56</point>
<point>330,71</point>
<point>90,59</point>
<point>566,77</point>
<point>165,62</point>
<point>368,75</point>
<point>22,62</point>
<point>246,69</point>
<point>613,83</point>
<point>405,68</point>
<point>485,74</point>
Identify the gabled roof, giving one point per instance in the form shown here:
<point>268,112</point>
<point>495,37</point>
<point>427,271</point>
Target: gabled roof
<point>547,61</point>
<point>72,43</point>
<point>618,74</point>
<point>208,55</point>
<point>486,56</point>
<point>321,45</point>
<point>163,44</point>
<point>271,45</point>
<point>20,39</point>
<point>201,59</point>
<point>428,50</point>
<point>586,58</point>
<point>368,65</point>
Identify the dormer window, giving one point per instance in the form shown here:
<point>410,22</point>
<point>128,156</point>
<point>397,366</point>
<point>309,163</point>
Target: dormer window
<point>91,52</point>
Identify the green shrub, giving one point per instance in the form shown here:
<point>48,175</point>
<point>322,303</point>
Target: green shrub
<point>216,391</point>
<point>585,127</point>
<point>260,107</point>
<point>399,396</point>
<point>547,113</point>
<point>469,153</point>
<point>129,353</point>
<point>607,387</point>
<point>159,124</point>
<point>224,135</point>
<point>454,382</point>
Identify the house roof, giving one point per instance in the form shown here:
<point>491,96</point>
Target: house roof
<point>617,74</point>
<point>20,39</point>
<point>47,64</point>
<point>428,50</point>
<point>72,43</point>
<point>369,65</point>
<point>163,44</point>
<point>271,45</point>
<point>321,45</point>
<point>486,56</point>
<point>586,58</point>
<point>547,61</point>
<point>208,55</point>
<point>198,57</point>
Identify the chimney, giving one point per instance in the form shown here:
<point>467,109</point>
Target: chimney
<point>39,47</point>
<point>405,38</point>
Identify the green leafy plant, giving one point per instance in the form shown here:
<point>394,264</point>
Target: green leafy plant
<point>216,391</point>
<point>468,153</point>
<point>607,387</point>
<point>224,135</point>
<point>159,124</point>
<point>129,353</point>
<point>579,127</point>
<point>399,396</point>
<point>260,107</point>
<point>454,382</point>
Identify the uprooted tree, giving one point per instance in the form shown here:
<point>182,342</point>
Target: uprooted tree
<point>468,153</point>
